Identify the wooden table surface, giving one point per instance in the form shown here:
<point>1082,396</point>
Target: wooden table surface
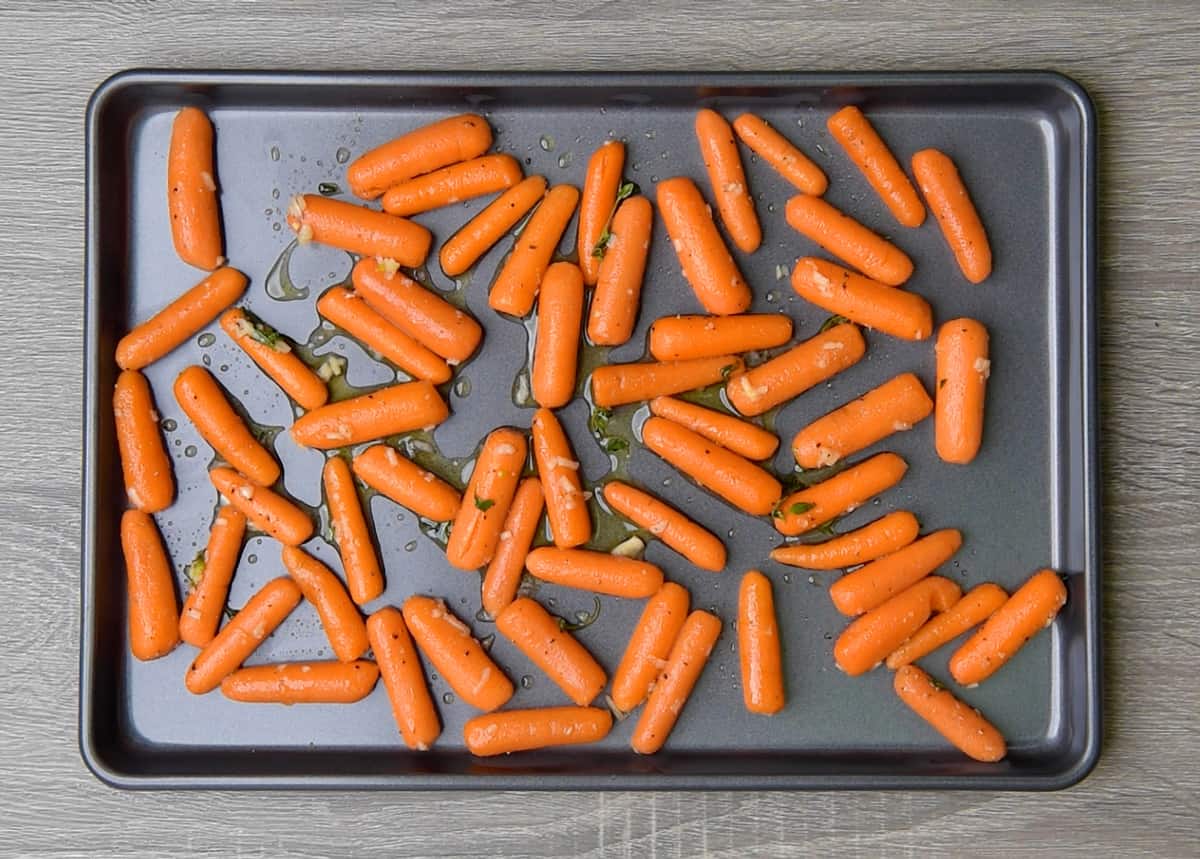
<point>1141,64</point>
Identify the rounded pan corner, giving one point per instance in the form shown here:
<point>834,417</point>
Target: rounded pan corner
<point>105,770</point>
<point>1075,91</point>
<point>113,87</point>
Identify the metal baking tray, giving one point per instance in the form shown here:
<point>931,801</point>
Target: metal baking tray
<point>1025,142</point>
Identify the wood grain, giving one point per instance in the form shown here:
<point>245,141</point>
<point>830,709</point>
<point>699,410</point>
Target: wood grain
<point>1140,65</point>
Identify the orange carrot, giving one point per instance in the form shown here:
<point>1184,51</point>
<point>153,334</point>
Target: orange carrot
<point>772,147</point>
<point>597,204</point>
<point>707,264</point>
<point>885,535</point>
<point>598,572</point>
<point>618,384</point>
<point>203,607</point>
<point>790,374</point>
<point>956,215</point>
<point>976,606</point>
<point>649,646</point>
<point>614,309</point>
<point>719,151</point>
<point>270,513</point>
<point>743,438</point>
<point>395,409</point>
<point>357,229</point>
<point>758,646</point>
<point>456,655</point>
<point>566,506</point>
<point>302,683</point>
<point>959,723</point>
<point>340,618</point>
<point>383,469</point>
<point>423,150</point>
<point>192,190</point>
<point>240,637</point>
<point>503,575</point>
<point>845,237</point>
<point>180,319</point>
<point>400,667</point>
<point>556,347</point>
<point>202,400</point>
<point>349,311</point>
<point>845,491</point>
<point>525,730</point>
<point>364,578</point>
<point>464,248</point>
<point>488,497</point>
<point>153,621</point>
<point>880,580</point>
<point>962,373</point>
<point>517,284</point>
<point>862,300</point>
<point>679,338</point>
<point>869,639</point>
<point>475,178</point>
<point>688,656</point>
<point>552,649</point>
<point>739,481</point>
<point>275,357</point>
<point>149,483</point>
<point>666,523</point>
<point>1029,610</point>
<point>871,155</point>
<point>894,406</point>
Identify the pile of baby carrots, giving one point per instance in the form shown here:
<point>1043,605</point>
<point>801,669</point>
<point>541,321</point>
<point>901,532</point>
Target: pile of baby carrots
<point>901,611</point>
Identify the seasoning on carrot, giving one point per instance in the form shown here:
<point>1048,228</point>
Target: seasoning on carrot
<point>614,308</point>
<point>597,205</point>
<point>271,513</point>
<point>449,185</point>
<point>883,536</point>
<point>679,338</point>
<point>203,401</point>
<point>719,151</point>
<point>772,147</point>
<point>180,319</point>
<point>556,346</point>
<point>845,491</point>
<point>517,284</point>
<point>759,646</point>
<point>869,639</point>
<point>302,683</point>
<point>963,368</point>
<point>525,730</point>
<point>153,619</point>
<point>211,574</point>
<point>845,237</point>
<point>566,505</point>
<point>275,357</point>
<point>618,384</point>
<point>666,523</point>
<point>707,264</point>
<point>343,624</point>
<point>675,683</point>
<point>976,606</point>
<point>538,635</point>
<point>880,580</point>
<point>382,468</point>
<point>395,409</point>
<point>149,483</point>
<point>423,150</point>
<point>503,575</point>
<point>965,728</point>
<point>192,190</point>
<point>488,497</point>
<point>364,578</point>
<point>893,311</point>
<point>448,644</point>
<point>598,572</point>
<point>478,235</point>
<point>871,155</point>
<point>743,438</point>
<point>357,229</point>
<point>956,215</point>
<point>649,646</point>
<point>400,668</point>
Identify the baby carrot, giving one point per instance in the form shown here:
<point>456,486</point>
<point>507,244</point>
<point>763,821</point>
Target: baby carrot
<point>383,469</point>
<point>302,683</point>
<point>883,536</point>
<point>475,178</point>
<point>719,151</point>
<point>597,204</point>
<point>679,338</point>
<point>478,235</point>
<point>956,215</point>
<point>357,229</point>
<point>192,190</point>
<point>649,646</point>
<point>707,264</point>
<point>758,646</point>
<point>871,155</point>
<point>400,667</point>
<point>364,578</point>
<point>845,491</point>
<point>339,617</point>
<point>488,497</point>
<point>893,311</point>
<point>275,357</point>
<point>688,656</point>
<point>525,730</point>
<point>348,311</point>
<point>456,655</point>
<point>739,481</point>
<point>869,639</point>
<point>772,147</point>
<point>618,384</point>
<point>552,649</point>
<point>566,506</point>
<point>598,572</point>
<point>153,621</point>
<point>845,237</point>
<point>395,409</point>
<point>878,581</point>
<point>202,400</point>
<point>666,523</point>
<point>180,319</point>
<point>503,575</point>
<point>894,406</point>
<point>202,609</point>
<point>146,467</point>
<point>243,634</point>
<point>963,726</point>
<point>556,346</point>
<point>790,374</point>
<point>517,284</point>
<point>430,320</point>
<point>614,309</point>
<point>273,514</point>
<point>962,373</point>
<point>423,150</point>
<point>743,438</point>
<point>1030,609</point>
<point>976,606</point>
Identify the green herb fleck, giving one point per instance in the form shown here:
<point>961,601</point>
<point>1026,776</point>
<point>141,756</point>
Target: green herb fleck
<point>801,507</point>
<point>626,190</point>
<point>832,322</point>
<point>195,570</point>
<point>328,188</point>
<point>602,244</point>
<point>777,513</point>
<point>727,371</point>
<point>598,421</point>
<point>615,444</point>
<point>483,504</point>
<point>582,619</point>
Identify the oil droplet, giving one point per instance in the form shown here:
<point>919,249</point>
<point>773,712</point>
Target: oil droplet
<point>829,636</point>
<point>731,532</point>
<point>178,442</point>
<point>462,388</point>
<point>448,698</point>
<point>206,339</point>
<point>551,602</point>
<point>770,207</point>
<point>342,155</point>
<point>649,135</point>
<point>274,153</point>
<point>787,579</point>
<point>547,143</point>
<point>526,681</point>
<point>410,546</point>
<point>274,193</point>
<point>666,481</point>
<point>279,281</point>
<point>566,158</point>
<point>771,296</point>
<point>486,643</point>
<point>252,559</point>
<point>653,178</point>
<point>483,617</point>
<point>635,165</point>
<point>224,368</point>
<point>169,425</point>
<point>276,226</point>
<point>190,450</point>
<point>799,123</point>
<point>207,360</point>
